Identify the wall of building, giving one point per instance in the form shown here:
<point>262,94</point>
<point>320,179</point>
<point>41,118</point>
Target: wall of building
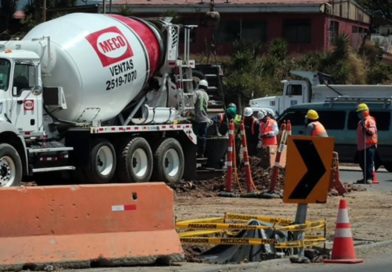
<point>304,32</point>
<point>310,33</point>
<point>355,31</point>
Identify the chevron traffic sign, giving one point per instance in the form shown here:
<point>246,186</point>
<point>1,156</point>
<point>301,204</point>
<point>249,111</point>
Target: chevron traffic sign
<point>308,169</point>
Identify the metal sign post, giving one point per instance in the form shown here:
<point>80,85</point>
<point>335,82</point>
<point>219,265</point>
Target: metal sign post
<point>300,218</point>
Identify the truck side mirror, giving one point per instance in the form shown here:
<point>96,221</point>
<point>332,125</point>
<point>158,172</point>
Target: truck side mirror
<point>14,91</point>
<point>37,90</point>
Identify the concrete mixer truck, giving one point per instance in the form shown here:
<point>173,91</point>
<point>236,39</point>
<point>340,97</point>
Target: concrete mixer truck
<point>101,95</point>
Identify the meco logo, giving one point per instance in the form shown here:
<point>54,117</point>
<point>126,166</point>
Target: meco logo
<point>28,105</point>
<point>110,45</point>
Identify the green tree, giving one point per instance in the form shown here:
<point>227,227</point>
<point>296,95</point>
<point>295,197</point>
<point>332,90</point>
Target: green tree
<point>378,8</point>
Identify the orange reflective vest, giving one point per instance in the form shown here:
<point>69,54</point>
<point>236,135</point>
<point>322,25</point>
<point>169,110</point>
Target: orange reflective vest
<point>317,129</point>
<point>367,133</point>
<point>268,132</point>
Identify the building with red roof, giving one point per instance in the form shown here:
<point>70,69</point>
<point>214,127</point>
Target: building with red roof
<point>306,25</point>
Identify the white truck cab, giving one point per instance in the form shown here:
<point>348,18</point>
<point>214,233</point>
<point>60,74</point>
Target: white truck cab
<point>316,87</point>
<point>21,91</point>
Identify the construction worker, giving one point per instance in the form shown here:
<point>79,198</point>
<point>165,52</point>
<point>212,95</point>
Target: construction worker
<point>251,125</point>
<point>313,126</point>
<point>367,143</point>
<point>223,119</point>
<point>201,119</point>
<point>268,131</point>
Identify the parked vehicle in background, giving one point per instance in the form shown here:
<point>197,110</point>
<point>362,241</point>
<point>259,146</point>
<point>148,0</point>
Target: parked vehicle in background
<point>316,87</point>
<point>340,119</point>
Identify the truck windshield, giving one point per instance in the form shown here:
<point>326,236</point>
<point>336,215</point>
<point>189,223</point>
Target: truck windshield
<point>5,68</point>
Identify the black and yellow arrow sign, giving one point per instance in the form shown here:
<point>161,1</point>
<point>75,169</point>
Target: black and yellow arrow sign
<point>308,169</point>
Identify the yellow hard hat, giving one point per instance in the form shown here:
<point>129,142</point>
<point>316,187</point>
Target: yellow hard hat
<point>312,115</point>
<point>362,107</point>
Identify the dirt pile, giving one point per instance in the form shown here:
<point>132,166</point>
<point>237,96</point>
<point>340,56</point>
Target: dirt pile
<point>261,178</point>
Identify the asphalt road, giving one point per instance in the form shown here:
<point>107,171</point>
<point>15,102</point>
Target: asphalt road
<point>351,174</point>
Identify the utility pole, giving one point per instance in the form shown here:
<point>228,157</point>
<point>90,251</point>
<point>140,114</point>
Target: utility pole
<point>44,11</point>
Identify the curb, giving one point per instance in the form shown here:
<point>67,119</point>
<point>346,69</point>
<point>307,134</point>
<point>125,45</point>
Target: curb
<point>375,244</point>
<point>357,168</point>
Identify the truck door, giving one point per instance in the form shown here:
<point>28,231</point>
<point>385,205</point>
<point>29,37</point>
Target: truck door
<point>24,108</point>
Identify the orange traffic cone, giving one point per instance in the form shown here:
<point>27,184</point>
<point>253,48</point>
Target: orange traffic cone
<point>375,177</point>
<point>343,250</point>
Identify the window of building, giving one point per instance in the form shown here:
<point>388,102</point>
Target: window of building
<point>253,31</point>
<point>358,29</point>
<point>332,119</point>
<point>333,31</point>
<point>228,31</point>
<point>249,31</point>
<point>297,31</point>
<point>383,119</point>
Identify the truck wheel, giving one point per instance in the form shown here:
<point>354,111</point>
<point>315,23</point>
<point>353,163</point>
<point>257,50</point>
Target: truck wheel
<point>169,161</point>
<point>10,166</point>
<point>102,162</point>
<point>135,163</point>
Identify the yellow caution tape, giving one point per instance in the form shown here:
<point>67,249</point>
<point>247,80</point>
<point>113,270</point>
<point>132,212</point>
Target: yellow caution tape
<point>302,227</point>
<point>252,242</point>
<point>204,220</point>
<point>227,241</point>
<point>220,226</point>
<point>200,233</point>
<point>274,220</point>
<point>300,244</point>
<point>232,226</point>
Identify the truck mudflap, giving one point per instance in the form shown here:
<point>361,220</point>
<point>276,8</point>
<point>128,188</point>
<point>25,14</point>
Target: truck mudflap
<point>77,226</point>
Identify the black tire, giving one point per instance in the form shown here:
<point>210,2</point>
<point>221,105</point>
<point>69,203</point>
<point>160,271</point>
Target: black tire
<point>135,162</point>
<point>101,165</point>
<point>10,166</point>
<point>388,166</point>
<point>169,161</point>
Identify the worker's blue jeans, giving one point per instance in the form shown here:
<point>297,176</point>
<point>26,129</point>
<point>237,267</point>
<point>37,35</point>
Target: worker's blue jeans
<point>366,161</point>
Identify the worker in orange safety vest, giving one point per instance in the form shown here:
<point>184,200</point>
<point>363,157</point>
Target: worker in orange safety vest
<point>268,131</point>
<point>367,136</point>
<point>313,125</point>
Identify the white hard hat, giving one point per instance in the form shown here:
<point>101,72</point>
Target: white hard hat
<point>203,83</point>
<point>261,114</point>
<point>248,111</point>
